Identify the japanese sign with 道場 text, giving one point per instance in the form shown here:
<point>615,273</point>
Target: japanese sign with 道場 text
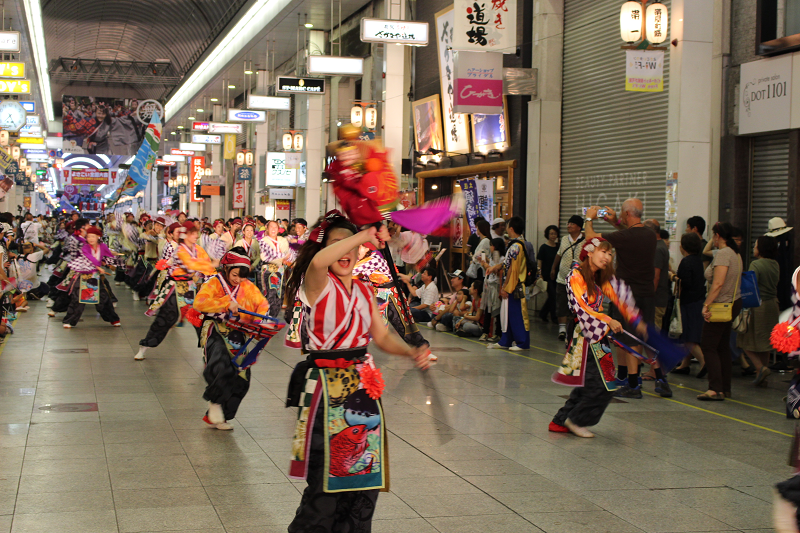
<point>487,25</point>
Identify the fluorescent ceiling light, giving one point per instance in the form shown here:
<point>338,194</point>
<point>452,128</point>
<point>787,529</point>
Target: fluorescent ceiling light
<point>28,146</point>
<point>199,110</point>
<point>33,13</point>
<point>175,158</point>
<point>248,72</point>
<point>342,66</point>
<point>195,147</point>
<point>258,17</point>
<point>180,127</point>
<point>172,133</point>
<point>215,99</point>
<point>309,25</point>
<point>103,186</point>
<point>231,86</point>
<point>191,118</point>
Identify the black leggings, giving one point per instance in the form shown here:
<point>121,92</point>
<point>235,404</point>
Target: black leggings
<point>586,405</point>
<point>75,308</point>
<point>225,386</point>
<point>167,316</point>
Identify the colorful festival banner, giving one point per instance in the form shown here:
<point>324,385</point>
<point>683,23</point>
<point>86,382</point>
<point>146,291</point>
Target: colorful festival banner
<point>142,166</point>
<point>470,190</point>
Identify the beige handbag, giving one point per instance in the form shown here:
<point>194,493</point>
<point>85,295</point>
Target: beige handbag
<point>723,312</point>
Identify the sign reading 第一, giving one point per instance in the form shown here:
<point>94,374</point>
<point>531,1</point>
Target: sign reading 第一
<point>485,198</point>
<point>470,201</point>
<point>488,25</point>
<point>765,95</point>
<point>479,83</point>
<point>644,71</point>
<point>456,140</point>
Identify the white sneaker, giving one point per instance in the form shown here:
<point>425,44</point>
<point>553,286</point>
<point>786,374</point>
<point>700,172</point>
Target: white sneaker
<point>515,349</point>
<point>26,308</point>
<point>215,414</point>
<point>136,297</point>
<point>495,346</point>
<point>140,354</point>
<point>430,325</point>
<point>50,302</point>
<point>51,314</point>
<point>224,426</point>
<point>115,304</point>
<point>441,327</point>
<point>117,283</point>
<point>67,326</point>
<point>577,430</point>
<point>432,357</point>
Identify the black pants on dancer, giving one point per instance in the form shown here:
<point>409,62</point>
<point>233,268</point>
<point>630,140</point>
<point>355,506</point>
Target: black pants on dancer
<point>339,512</point>
<point>586,405</point>
<point>167,316</point>
<point>76,308</point>
<point>225,386</point>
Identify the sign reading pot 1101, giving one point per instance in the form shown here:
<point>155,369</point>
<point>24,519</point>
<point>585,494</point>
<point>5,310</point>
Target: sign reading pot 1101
<point>765,95</point>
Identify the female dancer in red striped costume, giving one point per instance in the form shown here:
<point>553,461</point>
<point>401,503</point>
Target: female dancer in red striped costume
<point>339,443</point>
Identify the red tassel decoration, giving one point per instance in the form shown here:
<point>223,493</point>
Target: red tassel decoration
<point>161,264</point>
<point>785,338</point>
<point>372,379</point>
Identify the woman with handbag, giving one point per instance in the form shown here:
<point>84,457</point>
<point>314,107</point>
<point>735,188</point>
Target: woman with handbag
<point>722,303</point>
<point>755,340</point>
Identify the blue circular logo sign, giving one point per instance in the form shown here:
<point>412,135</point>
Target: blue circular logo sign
<point>247,115</point>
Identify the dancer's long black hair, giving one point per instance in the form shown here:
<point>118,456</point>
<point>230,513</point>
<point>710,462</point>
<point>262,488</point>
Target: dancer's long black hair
<point>311,248</point>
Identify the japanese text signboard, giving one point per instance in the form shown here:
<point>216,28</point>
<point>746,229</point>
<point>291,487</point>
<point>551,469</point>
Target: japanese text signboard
<point>644,71</point>
<point>394,31</point>
<point>88,176</point>
<point>239,192</point>
<point>479,83</point>
<point>470,190</point>
<point>455,124</point>
<point>488,25</point>
<point>196,171</point>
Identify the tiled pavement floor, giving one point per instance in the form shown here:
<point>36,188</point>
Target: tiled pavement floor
<point>473,456</point>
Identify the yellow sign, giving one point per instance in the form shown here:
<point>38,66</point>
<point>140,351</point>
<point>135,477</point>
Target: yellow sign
<point>30,140</point>
<point>26,202</point>
<point>12,70</point>
<point>230,146</point>
<point>15,86</point>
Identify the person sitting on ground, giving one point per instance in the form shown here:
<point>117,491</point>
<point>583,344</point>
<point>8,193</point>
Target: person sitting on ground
<point>469,325</point>
<point>444,322</point>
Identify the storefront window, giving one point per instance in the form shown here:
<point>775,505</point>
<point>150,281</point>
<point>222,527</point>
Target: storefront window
<point>777,27</point>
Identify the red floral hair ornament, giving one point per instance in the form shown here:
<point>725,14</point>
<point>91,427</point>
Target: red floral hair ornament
<point>785,336</point>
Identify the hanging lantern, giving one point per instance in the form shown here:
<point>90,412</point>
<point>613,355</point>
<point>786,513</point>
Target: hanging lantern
<point>657,23</point>
<point>297,144</point>
<point>240,158</point>
<point>15,153</point>
<point>208,171</point>
<point>371,118</point>
<point>357,116</point>
<point>248,159</point>
<point>171,183</point>
<point>33,179</point>
<point>23,162</point>
<point>3,138</point>
<point>28,171</point>
<point>287,141</point>
<point>630,21</point>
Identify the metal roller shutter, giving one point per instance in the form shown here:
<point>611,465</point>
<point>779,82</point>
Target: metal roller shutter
<point>770,184</point>
<point>613,142</point>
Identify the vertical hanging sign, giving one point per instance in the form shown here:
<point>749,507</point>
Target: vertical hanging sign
<point>489,25</point>
<point>479,83</point>
<point>471,201</point>
<point>196,171</point>
<point>456,140</point>
<point>485,198</point>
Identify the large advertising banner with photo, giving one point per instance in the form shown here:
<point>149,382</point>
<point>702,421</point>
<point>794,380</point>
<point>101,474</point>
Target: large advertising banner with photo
<point>101,125</point>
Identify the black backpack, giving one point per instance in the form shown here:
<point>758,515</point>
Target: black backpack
<point>530,261</point>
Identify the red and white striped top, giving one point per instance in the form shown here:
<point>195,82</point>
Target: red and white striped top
<point>338,320</point>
